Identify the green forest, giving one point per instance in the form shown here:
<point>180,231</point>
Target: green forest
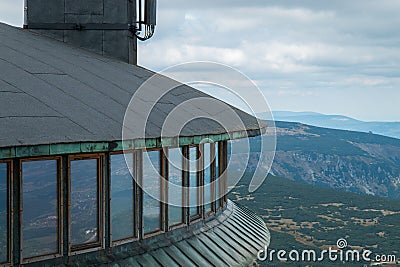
<point>301,216</point>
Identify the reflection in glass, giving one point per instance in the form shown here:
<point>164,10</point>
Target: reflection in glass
<point>207,177</point>
<point>84,201</point>
<point>193,182</point>
<point>217,193</point>
<point>151,191</point>
<point>175,194</point>
<point>3,212</point>
<point>39,206</point>
<point>122,197</point>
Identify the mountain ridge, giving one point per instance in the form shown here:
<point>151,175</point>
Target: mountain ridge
<point>357,162</point>
<point>341,122</point>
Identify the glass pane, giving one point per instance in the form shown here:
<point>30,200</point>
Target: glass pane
<point>39,205</point>
<point>84,201</point>
<point>122,197</point>
<point>151,191</point>
<point>175,213</point>
<point>217,196</point>
<point>207,177</point>
<point>193,182</point>
<point>3,212</point>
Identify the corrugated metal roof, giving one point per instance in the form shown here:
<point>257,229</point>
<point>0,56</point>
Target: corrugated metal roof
<point>52,93</point>
<point>233,239</point>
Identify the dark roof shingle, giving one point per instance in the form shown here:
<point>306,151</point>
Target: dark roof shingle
<point>51,92</point>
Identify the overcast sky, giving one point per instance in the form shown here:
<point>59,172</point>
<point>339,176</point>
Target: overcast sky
<point>334,57</point>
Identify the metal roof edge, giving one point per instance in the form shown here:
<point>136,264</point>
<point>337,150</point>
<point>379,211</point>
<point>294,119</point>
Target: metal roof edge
<point>25,151</point>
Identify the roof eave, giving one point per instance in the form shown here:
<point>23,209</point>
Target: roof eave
<point>25,151</point>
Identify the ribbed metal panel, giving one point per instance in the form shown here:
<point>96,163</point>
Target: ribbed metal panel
<point>234,241</point>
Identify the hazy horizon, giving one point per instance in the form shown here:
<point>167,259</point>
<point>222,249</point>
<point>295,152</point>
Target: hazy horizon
<point>332,114</point>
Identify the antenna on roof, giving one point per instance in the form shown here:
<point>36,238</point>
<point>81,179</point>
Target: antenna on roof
<point>146,12</point>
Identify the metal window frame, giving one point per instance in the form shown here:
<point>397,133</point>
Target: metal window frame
<point>200,177</point>
<point>162,188</point>
<point>114,243</point>
<point>219,177</point>
<point>104,199</point>
<point>163,193</point>
<point>185,154</point>
<point>100,243</point>
<point>224,180</point>
<point>198,216</point>
<point>9,212</point>
<point>212,179</point>
<point>183,209</point>
<point>216,177</point>
<point>60,208</point>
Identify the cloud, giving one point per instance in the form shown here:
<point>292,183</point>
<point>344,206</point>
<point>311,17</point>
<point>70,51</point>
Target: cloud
<point>12,11</point>
<point>290,39</point>
<point>298,52</point>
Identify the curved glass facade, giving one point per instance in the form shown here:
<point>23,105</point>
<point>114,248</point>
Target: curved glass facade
<point>74,204</point>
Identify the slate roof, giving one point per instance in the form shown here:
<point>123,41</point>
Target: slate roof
<point>51,92</point>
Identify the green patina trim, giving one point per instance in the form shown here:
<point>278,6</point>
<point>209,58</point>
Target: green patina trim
<point>139,144</point>
<point>171,142</point>
<point>94,147</point>
<point>33,151</point>
<point>184,141</point>
<point>238,135</point>
<point>56,149</point>
<point>99,147</point>
<point>6,153</point>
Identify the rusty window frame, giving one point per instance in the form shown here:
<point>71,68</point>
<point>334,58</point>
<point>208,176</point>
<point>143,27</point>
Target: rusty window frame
<point>212,179</point>
<point>224,181</point>
<point>220,175</point>
<point>195,217</point>
<point>98,245</point>
<point>162,194</point>
<point>9,212</point>
<point>135,200</point>
<point>60,207</point>
<point>217,172</point>
<point>183,209</point>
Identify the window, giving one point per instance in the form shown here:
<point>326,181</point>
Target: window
<point>85,179</point>
<point>193,182</point>
<point>4,212</point>
<point>122,197</point>
<point>225,161</point>
<point>217,180</point>
<point>175,190</point>
<point>207,177</point>
<point>151,181</point>
<point>40,208</point>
